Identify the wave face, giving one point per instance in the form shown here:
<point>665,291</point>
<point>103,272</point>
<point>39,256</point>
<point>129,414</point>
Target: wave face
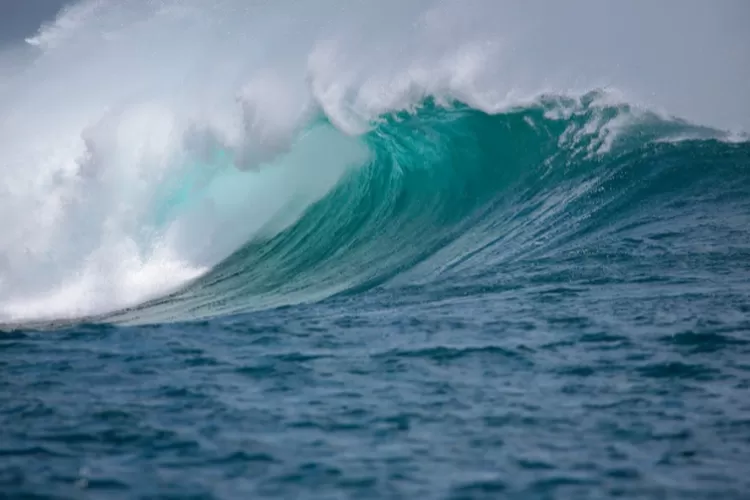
<point>449,193</point>
<point>227,180</point>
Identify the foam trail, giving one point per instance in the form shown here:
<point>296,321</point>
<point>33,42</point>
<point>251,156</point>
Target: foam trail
<point>142,142</point>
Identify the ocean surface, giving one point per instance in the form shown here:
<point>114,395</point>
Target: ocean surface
<point>547,298</point>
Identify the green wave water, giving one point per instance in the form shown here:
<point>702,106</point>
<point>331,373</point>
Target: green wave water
<point>445,185</point>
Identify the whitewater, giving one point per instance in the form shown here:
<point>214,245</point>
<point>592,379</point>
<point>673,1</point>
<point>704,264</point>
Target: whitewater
<point>375,250</point>
<point>118,110</point>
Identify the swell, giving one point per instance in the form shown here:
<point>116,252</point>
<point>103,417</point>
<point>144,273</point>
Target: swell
<point>119,179</point>
<point>453,195</point>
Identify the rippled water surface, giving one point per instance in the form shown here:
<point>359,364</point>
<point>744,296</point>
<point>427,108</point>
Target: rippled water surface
<point>558,382</point>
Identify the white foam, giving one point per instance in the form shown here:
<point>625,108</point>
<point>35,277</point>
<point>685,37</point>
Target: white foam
<point>115,99</point>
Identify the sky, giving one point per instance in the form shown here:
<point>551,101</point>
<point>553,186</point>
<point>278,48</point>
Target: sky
<point>21,18</point>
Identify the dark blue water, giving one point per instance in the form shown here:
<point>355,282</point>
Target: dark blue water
<point>507,306</point>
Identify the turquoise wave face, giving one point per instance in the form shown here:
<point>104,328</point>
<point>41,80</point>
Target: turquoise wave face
<point>449,192</point>
<point>196,182</point>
